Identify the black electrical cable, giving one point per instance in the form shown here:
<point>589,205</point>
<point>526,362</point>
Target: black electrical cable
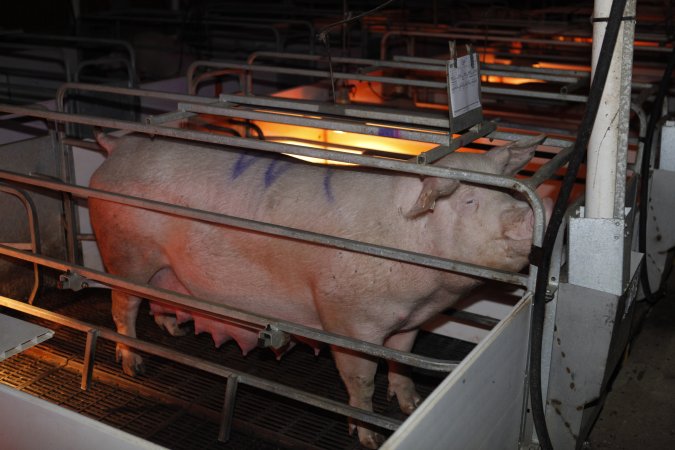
<point>657,106</point>
<point>544,264</point>
<point>250,126</point>
<point>322,35</point>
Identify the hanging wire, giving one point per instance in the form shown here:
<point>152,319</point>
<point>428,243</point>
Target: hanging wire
<point>323,37</point>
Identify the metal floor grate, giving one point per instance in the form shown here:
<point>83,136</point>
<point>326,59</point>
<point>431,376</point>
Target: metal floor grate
<point>179,407</point>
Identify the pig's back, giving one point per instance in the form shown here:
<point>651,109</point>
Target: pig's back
<point>233,265</point>
<point>255,185</point>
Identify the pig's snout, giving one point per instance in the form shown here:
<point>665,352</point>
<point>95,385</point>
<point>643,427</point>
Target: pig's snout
<point>518,223</point>
<point>518,226</point>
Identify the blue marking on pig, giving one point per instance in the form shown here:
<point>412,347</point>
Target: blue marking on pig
<point>276,168</point>
<point>243,162</point>
<point>327,187</point>
<point>389,132</point>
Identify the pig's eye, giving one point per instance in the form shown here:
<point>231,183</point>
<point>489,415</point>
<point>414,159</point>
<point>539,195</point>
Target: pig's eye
<point>469,202</point>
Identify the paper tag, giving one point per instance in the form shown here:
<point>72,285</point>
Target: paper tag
<point>464,81</point>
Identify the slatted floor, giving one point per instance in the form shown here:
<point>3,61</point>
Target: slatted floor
<point>179,407</point>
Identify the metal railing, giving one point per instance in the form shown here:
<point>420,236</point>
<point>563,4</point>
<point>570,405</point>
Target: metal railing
<point>234,377</point>
<point>266,324</point>
<point>33,231</point>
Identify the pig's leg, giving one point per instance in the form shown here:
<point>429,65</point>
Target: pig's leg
<point>166,278</point>
<point>358,375</point>
<point>400,384</point>
<point>124,312</point>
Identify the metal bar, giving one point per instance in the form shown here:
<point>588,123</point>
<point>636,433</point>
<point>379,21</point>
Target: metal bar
<point>624,115</point>
<point>382,163</point>
<point>81,143</point>
<point>89,357</point>
<point>642,117</point>
<point>228,409</point>
<point>551,167</point>
<point>168,117</point>
<point>274,32</point>
<point>358,111</point>
<point>334,145</point>
<point>430,84</point>
<point>564,74</point>
<point>193,83</point>
<point>319,73</point>
<point>513,136</point>
<point>305,23</point>
<point>124,91</point>
<point>67,169</point>
<point>234,315</point>
<point>475,37</point>
<point>562,95</point>
<point>463,34</point>
<point>131,75</point>
<point>34,232</point>
<point>54,40</point>
<point>276,230</point>
<point>535,94</point>
<point>371,64</point>
<point>421,135</point>
<point>475,132</point>
<point>529,75</point>
<point>216,369</point>
<point>18,245</point>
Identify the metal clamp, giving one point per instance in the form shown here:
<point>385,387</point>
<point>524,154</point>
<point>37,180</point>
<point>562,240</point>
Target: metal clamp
<point>273,337</point>
<point>76,282</point>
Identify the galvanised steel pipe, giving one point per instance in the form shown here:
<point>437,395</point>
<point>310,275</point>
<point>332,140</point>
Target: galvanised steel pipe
<point>233,315</point>
<point>207,366</point>
<point>256,144</point>
<point>277,230</point>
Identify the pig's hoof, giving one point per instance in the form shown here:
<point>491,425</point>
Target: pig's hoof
<point>169,323</point>
<point>133,366</point>
<point>132,363</point>
<point>407,396</point>
<point>368,438</point>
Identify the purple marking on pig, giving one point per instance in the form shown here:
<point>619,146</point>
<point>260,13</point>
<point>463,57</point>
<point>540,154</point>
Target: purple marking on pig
<point>244,161</point>
<point>274,170</point>
<point>327,188</point>
<point>378,300</point>
<point>388,132</point>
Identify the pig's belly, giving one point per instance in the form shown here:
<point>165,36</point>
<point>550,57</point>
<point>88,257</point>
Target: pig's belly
<point>251,272</point>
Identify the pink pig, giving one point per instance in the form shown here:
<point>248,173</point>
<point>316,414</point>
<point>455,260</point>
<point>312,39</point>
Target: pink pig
<point>365,297</point>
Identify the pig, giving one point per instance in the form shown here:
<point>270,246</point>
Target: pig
<point>377,300</point>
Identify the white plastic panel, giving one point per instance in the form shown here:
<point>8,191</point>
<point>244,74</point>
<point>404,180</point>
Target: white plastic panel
<point>17,335</point>
<point>30,423</point>
<point>479,405</point>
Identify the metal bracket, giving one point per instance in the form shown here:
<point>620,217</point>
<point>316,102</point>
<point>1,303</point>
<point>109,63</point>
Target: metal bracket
<point>89,356</point>
<point>228,408</point>
<point>551,289</point>
<point>76,282</point>
<point>274,338</point>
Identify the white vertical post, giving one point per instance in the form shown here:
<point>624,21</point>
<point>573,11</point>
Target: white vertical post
<point>606,152</point>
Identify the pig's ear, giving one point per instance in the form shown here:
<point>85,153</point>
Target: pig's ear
<point>512,157</point>
<point>432,189</point>
<point>106,142</point>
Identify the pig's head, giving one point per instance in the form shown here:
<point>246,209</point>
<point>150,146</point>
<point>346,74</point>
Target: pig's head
<point>476,224</point>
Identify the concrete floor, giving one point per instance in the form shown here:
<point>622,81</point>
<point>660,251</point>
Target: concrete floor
<point>639,411</point>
